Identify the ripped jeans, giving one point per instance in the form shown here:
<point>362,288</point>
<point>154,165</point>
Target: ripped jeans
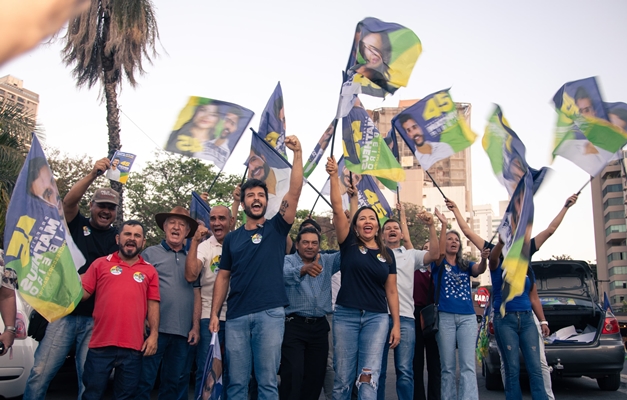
<point>517,330</point>
<point>358,340</point>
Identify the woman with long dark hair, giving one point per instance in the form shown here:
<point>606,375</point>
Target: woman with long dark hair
<point>360,328</point>
<point>199,129</point>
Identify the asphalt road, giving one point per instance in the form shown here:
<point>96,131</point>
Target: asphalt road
<point>64,388</point>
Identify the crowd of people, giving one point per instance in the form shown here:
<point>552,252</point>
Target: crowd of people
<point>324,321</point>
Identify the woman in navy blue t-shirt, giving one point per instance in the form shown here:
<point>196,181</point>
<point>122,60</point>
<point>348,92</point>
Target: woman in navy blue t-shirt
<point>360,321</point>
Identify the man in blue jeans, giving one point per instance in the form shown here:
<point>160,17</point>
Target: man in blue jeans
<point>252,261</point>
<point>180,303</point>
<point>408,260</point>
<point>95,238</point>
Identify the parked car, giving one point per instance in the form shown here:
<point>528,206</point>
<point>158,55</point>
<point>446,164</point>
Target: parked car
<point>14,370</point>
<point>568,294</point>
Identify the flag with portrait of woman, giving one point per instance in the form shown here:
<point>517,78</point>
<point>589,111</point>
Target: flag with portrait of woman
<point>272,123</point>
<point>515,231</point>
<point>381,60</point>
<point>587,134</point>
<point>433,129</point>
<point>208,129</point>
<point>39,249</point>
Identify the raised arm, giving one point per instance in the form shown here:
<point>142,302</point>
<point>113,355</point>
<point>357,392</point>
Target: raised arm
<point>290,200</point>
<point>340,221</point>
<point>461,221</point>
<point>237,198</point>
<point>193,265</point>
<point>404,229</point>
<point>442,242</point>
<point>550,230</point>
<point>76,193</point>
<point>495,256</point>
<point>434,249</point>
<point>480,267</point>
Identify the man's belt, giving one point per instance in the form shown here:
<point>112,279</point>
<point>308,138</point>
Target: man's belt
<point>307,320</point>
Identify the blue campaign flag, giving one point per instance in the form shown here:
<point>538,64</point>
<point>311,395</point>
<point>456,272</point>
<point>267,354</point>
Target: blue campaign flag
<point>606,303</point>
<point>199,209</point>
<point>38,244</point>
<point>316,154</point>
<point>272,124</point>
<point>211,387</point>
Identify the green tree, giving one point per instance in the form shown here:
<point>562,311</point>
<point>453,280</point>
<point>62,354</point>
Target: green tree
<point>561,257</point>
<point>418,232</point>
<point>107,42</point>
<point>168,181</point>
<point>68,170</point>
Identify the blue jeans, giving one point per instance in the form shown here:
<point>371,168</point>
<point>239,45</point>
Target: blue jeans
<point>255,339</point>
<point>98,366</point>
<point>458,329</point>
<point>403,361</point>
<point>358,341</point>
<point>61,335</point>
<point>201,355</point>
<point>517,330</point>
<point>172,350</point>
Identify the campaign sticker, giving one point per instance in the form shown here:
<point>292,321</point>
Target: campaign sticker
<point>256,238</point>
<point>116,270</point>
<point>380,258</point>
<point>363,250</point>
<point>423,270</point>
<point>215,263</point>
<point>139,277</point>
<point>86,231</point>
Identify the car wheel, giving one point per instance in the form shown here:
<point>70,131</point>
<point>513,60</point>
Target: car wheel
<point>492,381</point>
<point>609,383</point>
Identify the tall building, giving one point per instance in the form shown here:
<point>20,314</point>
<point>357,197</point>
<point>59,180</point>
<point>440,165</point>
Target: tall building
<point>12,92</point>
<point>453,174</point>
<point>609,199</point>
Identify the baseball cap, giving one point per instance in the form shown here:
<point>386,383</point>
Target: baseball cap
<point>106,195</point>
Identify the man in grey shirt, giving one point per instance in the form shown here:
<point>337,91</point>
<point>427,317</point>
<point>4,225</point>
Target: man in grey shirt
<point>180,306</point>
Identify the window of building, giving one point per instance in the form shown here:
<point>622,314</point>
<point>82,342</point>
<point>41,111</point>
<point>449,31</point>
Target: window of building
<point>2,91</point>
<point>613,188</point>
<point>613,201</point>
<point>618,285</point>
<point>617,271</point>
<point>615,229</point>
<point>614,215</point>
<point>20,100</point>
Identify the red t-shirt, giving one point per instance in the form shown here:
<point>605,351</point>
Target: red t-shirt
<point>122,293</point>
<point>422,285</point>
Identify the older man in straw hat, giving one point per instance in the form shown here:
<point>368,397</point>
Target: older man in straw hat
<point>178,323</point>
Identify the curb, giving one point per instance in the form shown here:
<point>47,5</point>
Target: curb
<point>623,381</point>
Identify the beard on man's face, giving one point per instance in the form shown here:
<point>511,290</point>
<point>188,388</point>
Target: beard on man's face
<point>255,210</point>
<point>131,252</point>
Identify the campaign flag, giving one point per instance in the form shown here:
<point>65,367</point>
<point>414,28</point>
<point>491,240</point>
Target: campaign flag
<point>382,58</point>
<point>507,153</point>
<point>319,150</point>
<point>365,150</point>
<point>199,209</point>
<point>272,124</point>
<point>208,129</point>
<point>368,192</point>
<point>392,142</point>
<point>212,386</point>
<point>433,129</point>
<point>121,164</point>
<point>39,247</point>
<point>268,165</point>
<point>515,230</point>
<point>606,303</point>
<point>584,133</point>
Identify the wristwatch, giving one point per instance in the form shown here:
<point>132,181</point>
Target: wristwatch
<point>11,329</point>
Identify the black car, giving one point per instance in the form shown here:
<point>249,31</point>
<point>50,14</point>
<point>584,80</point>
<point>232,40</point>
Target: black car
<point>568,294</point>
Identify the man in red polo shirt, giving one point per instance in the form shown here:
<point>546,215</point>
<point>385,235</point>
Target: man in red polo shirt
<point>127,289</point>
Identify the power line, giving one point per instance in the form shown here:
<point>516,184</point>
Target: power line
<point>140,129</point>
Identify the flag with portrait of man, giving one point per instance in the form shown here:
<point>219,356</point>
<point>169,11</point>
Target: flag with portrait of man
<point>587,133</point>
<point>318,151</point>
<point>433,129</point>
<point>515,231</point>
<point>381,60</point>
<point>38,246</point>
<point>208,129</point>
<point>272,123</point>
<point>212,386</point>
<point>199,209</point>
<point>365,149</point>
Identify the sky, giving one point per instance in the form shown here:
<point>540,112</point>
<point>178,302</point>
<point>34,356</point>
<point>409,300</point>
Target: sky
<point>515,54</point>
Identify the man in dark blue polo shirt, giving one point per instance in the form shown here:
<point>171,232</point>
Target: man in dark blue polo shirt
<point>252,261</point>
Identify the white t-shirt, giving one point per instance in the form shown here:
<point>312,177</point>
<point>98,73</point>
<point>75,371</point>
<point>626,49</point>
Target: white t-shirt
<point>209,253</point>
<point>407,261</point>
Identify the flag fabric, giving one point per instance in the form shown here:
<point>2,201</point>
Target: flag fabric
<point>368,192</point>
<point>584,133</point>
<point>515,230</point>
<point>433,129</point>
<point>272,124</point>
<point>199,209</point>
<point>365,150</point>
<point>382,58</point>
<point>507,153</point>
<point>319,150</point>
<point>39,247</point>
<point>606,303</point>
<point>269,166</point>
<point>212,386</point>
<point>208,129</point>
<point>121,164</point>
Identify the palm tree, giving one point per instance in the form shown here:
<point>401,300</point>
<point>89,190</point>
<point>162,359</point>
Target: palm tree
<point>16,126</point>
<point>105,43</point>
